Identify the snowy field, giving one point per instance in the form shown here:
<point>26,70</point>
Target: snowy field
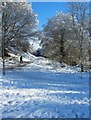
<point>37,90</point>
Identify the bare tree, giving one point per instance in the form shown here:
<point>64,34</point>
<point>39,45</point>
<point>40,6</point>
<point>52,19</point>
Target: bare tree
<point>18,21</point>
<point>79,12</point>
<point>56,33</point>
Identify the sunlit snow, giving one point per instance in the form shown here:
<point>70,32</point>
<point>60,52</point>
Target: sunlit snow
<point>43,89</point>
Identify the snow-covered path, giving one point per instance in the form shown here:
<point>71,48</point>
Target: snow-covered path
<point>36,94</point>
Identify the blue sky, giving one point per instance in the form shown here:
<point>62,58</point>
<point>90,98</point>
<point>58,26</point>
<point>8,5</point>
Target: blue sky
<point>46,10</point>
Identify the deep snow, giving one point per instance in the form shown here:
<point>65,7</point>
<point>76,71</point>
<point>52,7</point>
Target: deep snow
<point>42,89</point>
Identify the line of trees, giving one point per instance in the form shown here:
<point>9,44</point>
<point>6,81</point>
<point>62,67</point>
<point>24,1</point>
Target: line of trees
<point>65,38</point>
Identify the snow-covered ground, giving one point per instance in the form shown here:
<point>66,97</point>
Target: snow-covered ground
<point>43,89</point>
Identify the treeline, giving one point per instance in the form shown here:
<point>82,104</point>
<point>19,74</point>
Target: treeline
<point>65,37</point>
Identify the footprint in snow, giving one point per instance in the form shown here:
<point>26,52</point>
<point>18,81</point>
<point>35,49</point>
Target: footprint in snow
<point>17,94</point>
<point>10,102</point>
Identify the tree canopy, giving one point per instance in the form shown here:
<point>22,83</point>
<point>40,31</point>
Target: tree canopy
<point>19,22</point>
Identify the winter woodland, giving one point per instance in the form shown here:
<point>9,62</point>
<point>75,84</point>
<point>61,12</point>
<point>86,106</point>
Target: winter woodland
<point>51,80</point>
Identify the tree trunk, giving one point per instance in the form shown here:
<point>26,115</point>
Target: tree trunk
<point>62,54</point>
<point>81,54</point>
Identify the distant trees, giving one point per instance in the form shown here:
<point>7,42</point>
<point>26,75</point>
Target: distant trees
<point>19,22</point>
